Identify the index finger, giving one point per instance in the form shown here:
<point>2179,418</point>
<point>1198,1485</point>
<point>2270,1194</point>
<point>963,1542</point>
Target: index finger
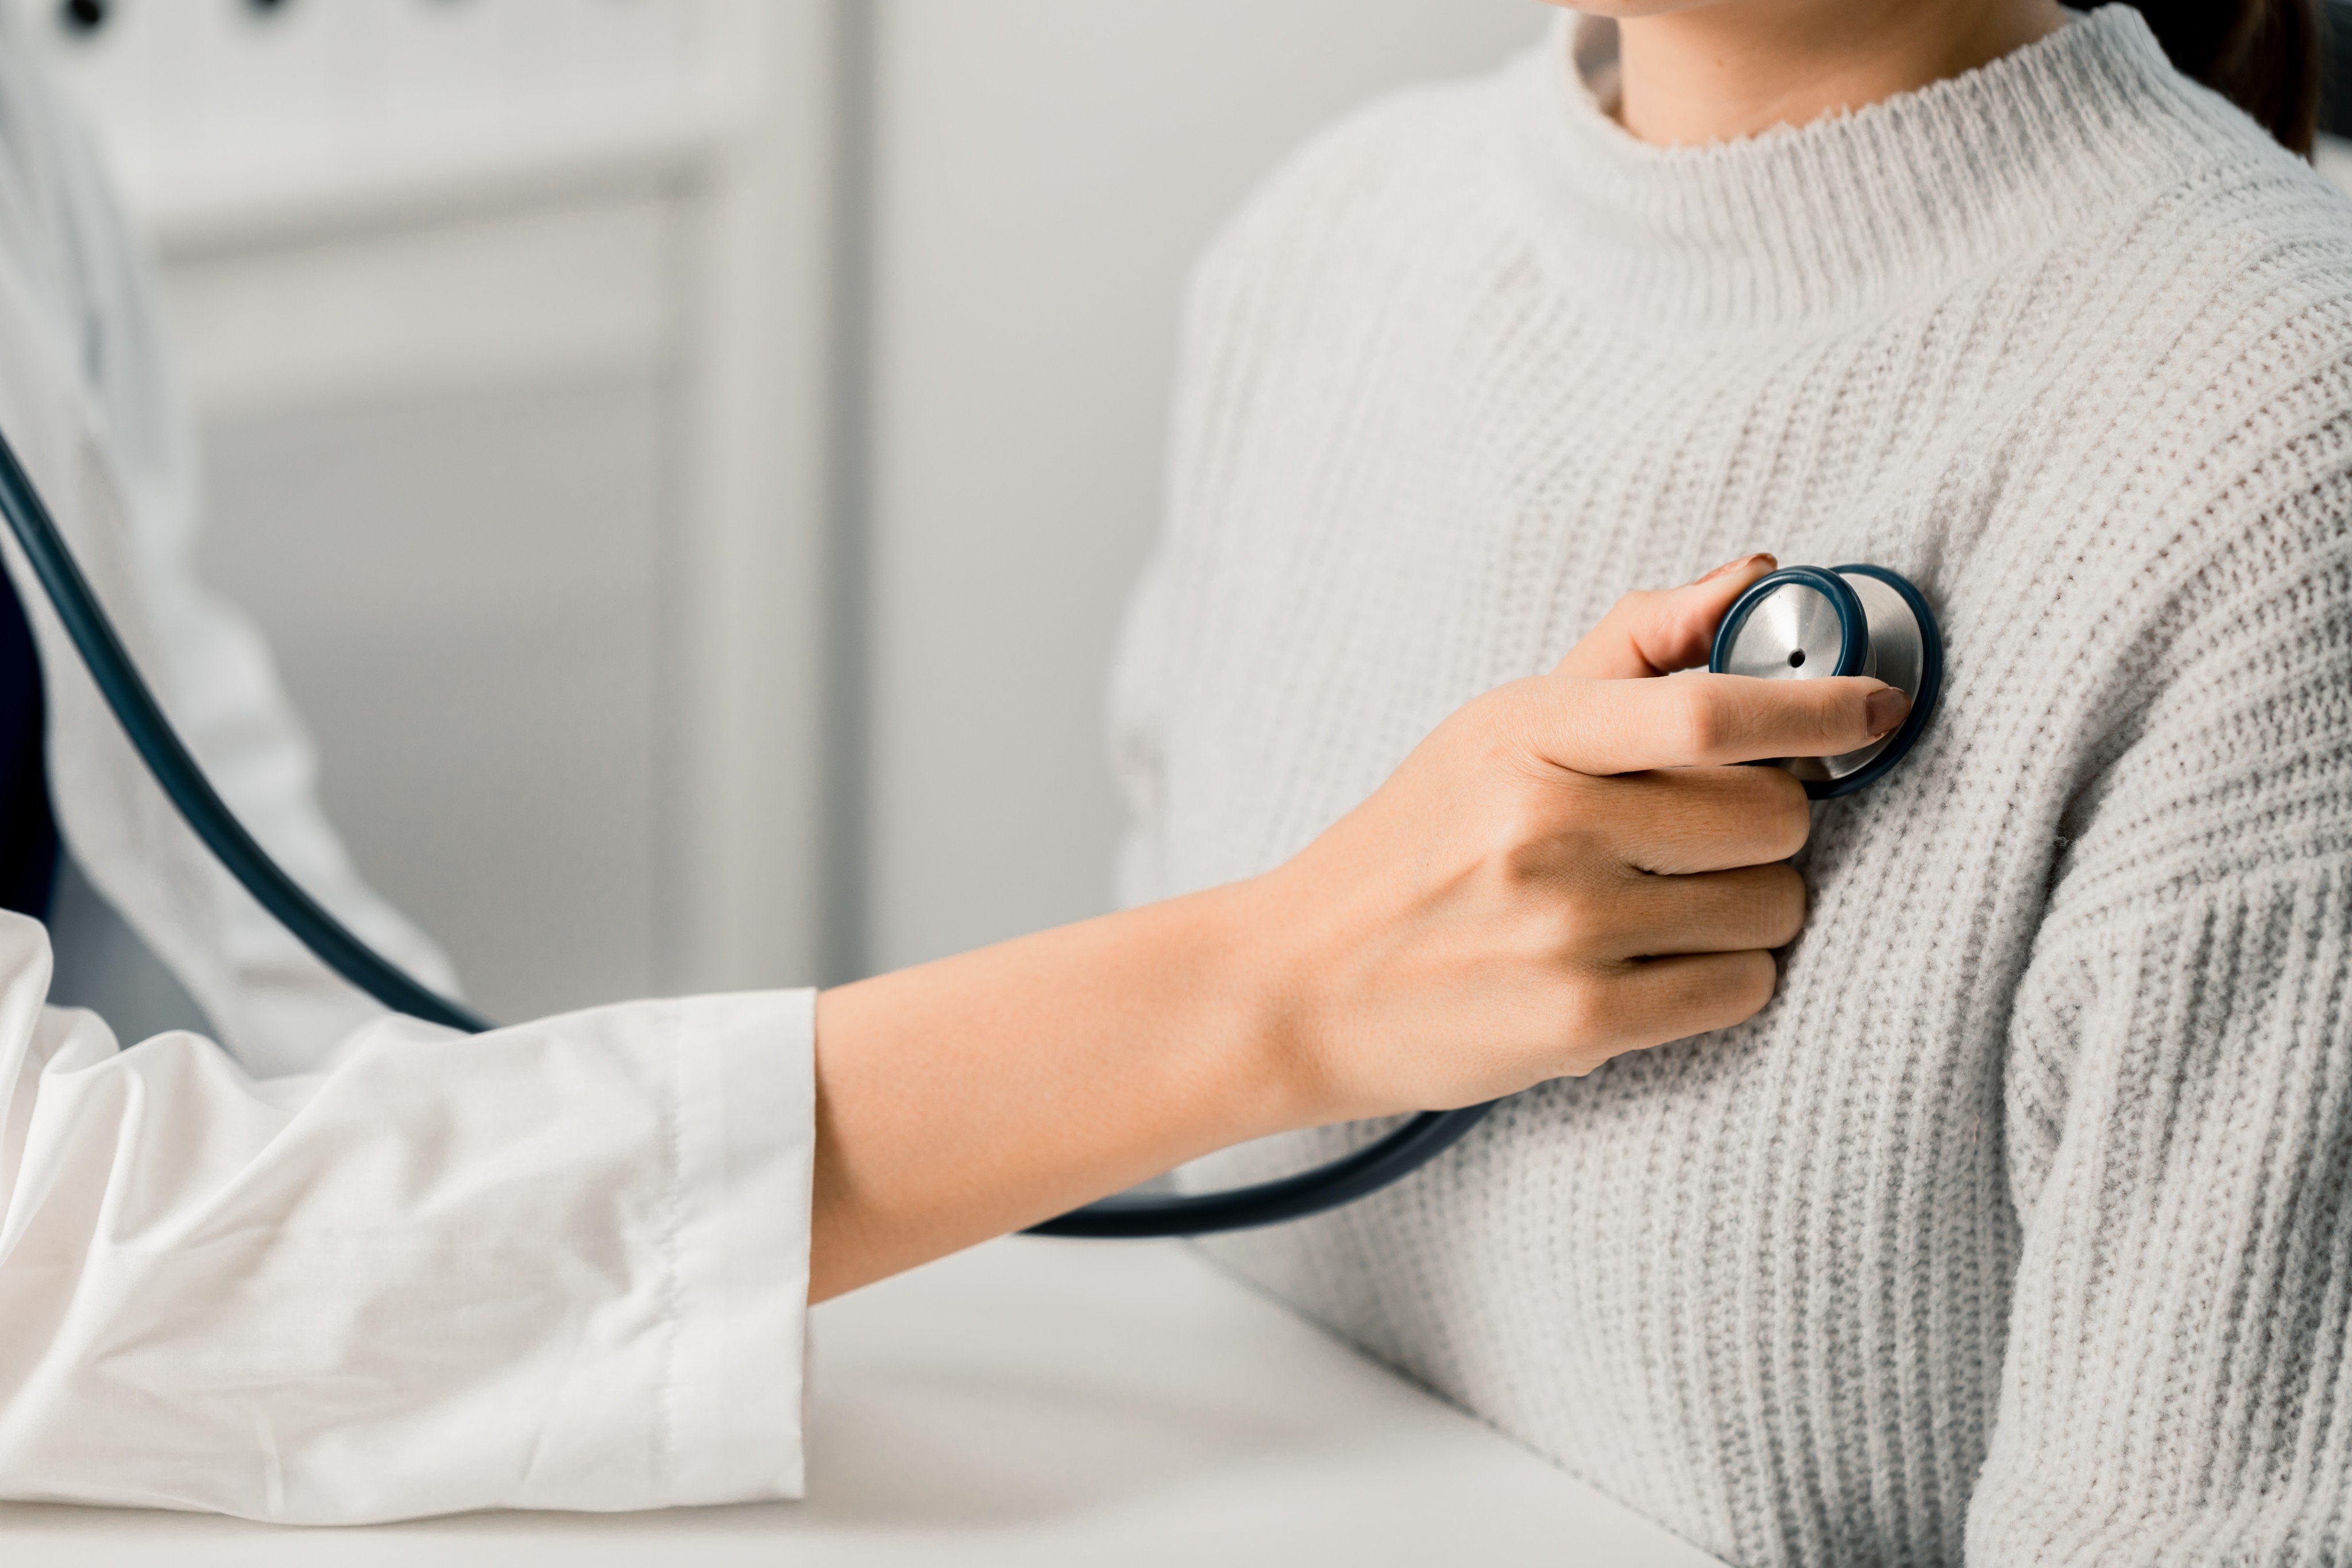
<point>1698,720</point>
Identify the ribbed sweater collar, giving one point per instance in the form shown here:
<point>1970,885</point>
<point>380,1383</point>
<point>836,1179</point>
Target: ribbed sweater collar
<point>1858,209</point>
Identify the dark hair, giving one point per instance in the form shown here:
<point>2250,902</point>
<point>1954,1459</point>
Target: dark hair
<point>2262,55</point>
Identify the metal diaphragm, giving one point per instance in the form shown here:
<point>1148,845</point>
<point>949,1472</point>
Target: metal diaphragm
<point>1805,623</point>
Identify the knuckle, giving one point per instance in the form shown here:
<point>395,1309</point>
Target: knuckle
<point>1778,790</point>
<point>1703,721</point>
<point>1847,717</point>
<point>1762,812</point>
<point>1751,981</point>
<point>1579,924</point>
<point>1517,858</point>
<point>1787,811</point>
<point>1524,834</point>
<point>1817,721</point>
<point>1588,1016</point>
<point>1492,736</point>
<point>1785,902</point>
<point>1501,712</point>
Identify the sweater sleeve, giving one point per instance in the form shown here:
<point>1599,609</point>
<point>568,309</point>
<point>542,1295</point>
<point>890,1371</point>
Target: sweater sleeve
<point>2178,1385</point>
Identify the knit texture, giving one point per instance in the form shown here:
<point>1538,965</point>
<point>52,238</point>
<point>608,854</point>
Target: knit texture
<point>2015,1229</point>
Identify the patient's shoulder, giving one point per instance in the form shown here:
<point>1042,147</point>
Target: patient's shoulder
<point>2207,331</point>
<point>1357,196</point>
<point>2250,252</point>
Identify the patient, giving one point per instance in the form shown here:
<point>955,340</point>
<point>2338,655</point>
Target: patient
<point>2017,1227</point>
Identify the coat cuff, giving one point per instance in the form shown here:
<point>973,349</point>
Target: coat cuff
<point>746,1137</point>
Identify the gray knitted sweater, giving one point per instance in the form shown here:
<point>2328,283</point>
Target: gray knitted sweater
<point>2017,1228</point>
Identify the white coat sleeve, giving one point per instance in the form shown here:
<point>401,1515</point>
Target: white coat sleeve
<point>560,1265</point>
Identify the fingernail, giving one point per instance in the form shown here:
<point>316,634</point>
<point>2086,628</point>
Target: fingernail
<point>1767,561</point>
<point>1886,708</point>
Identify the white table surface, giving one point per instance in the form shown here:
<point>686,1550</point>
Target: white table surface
<point>1034,1403</point>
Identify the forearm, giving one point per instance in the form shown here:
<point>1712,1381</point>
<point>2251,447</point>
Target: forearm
<point>1567,868</point>
<point>964,1099</point>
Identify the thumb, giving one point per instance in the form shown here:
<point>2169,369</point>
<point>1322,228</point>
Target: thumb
<point>1647,633</point>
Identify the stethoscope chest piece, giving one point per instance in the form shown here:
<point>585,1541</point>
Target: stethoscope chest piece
<point>1803,622</point>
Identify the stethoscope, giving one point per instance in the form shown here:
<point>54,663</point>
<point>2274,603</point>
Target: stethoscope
<point>1801,623</point>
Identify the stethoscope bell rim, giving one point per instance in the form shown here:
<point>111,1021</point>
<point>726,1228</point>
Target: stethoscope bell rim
<point>1853,624</point>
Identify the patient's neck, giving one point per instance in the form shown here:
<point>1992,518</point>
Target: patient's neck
<point>1718,72</point>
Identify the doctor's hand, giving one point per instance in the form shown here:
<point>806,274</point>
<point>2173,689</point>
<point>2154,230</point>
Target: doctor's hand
<point>1569,868</point>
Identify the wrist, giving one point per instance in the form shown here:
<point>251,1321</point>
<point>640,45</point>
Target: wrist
<point>1263,986</point>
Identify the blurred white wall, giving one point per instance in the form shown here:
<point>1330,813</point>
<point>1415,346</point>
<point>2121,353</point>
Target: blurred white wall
<point>506,325</point>
<point>1045,172</point>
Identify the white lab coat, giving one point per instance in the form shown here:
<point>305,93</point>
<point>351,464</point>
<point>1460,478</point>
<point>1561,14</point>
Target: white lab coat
<point>342,1266</point>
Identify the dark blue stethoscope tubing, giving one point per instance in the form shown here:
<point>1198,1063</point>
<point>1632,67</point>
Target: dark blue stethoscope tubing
<point>1385,1159</point>
<point>176,769</point>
